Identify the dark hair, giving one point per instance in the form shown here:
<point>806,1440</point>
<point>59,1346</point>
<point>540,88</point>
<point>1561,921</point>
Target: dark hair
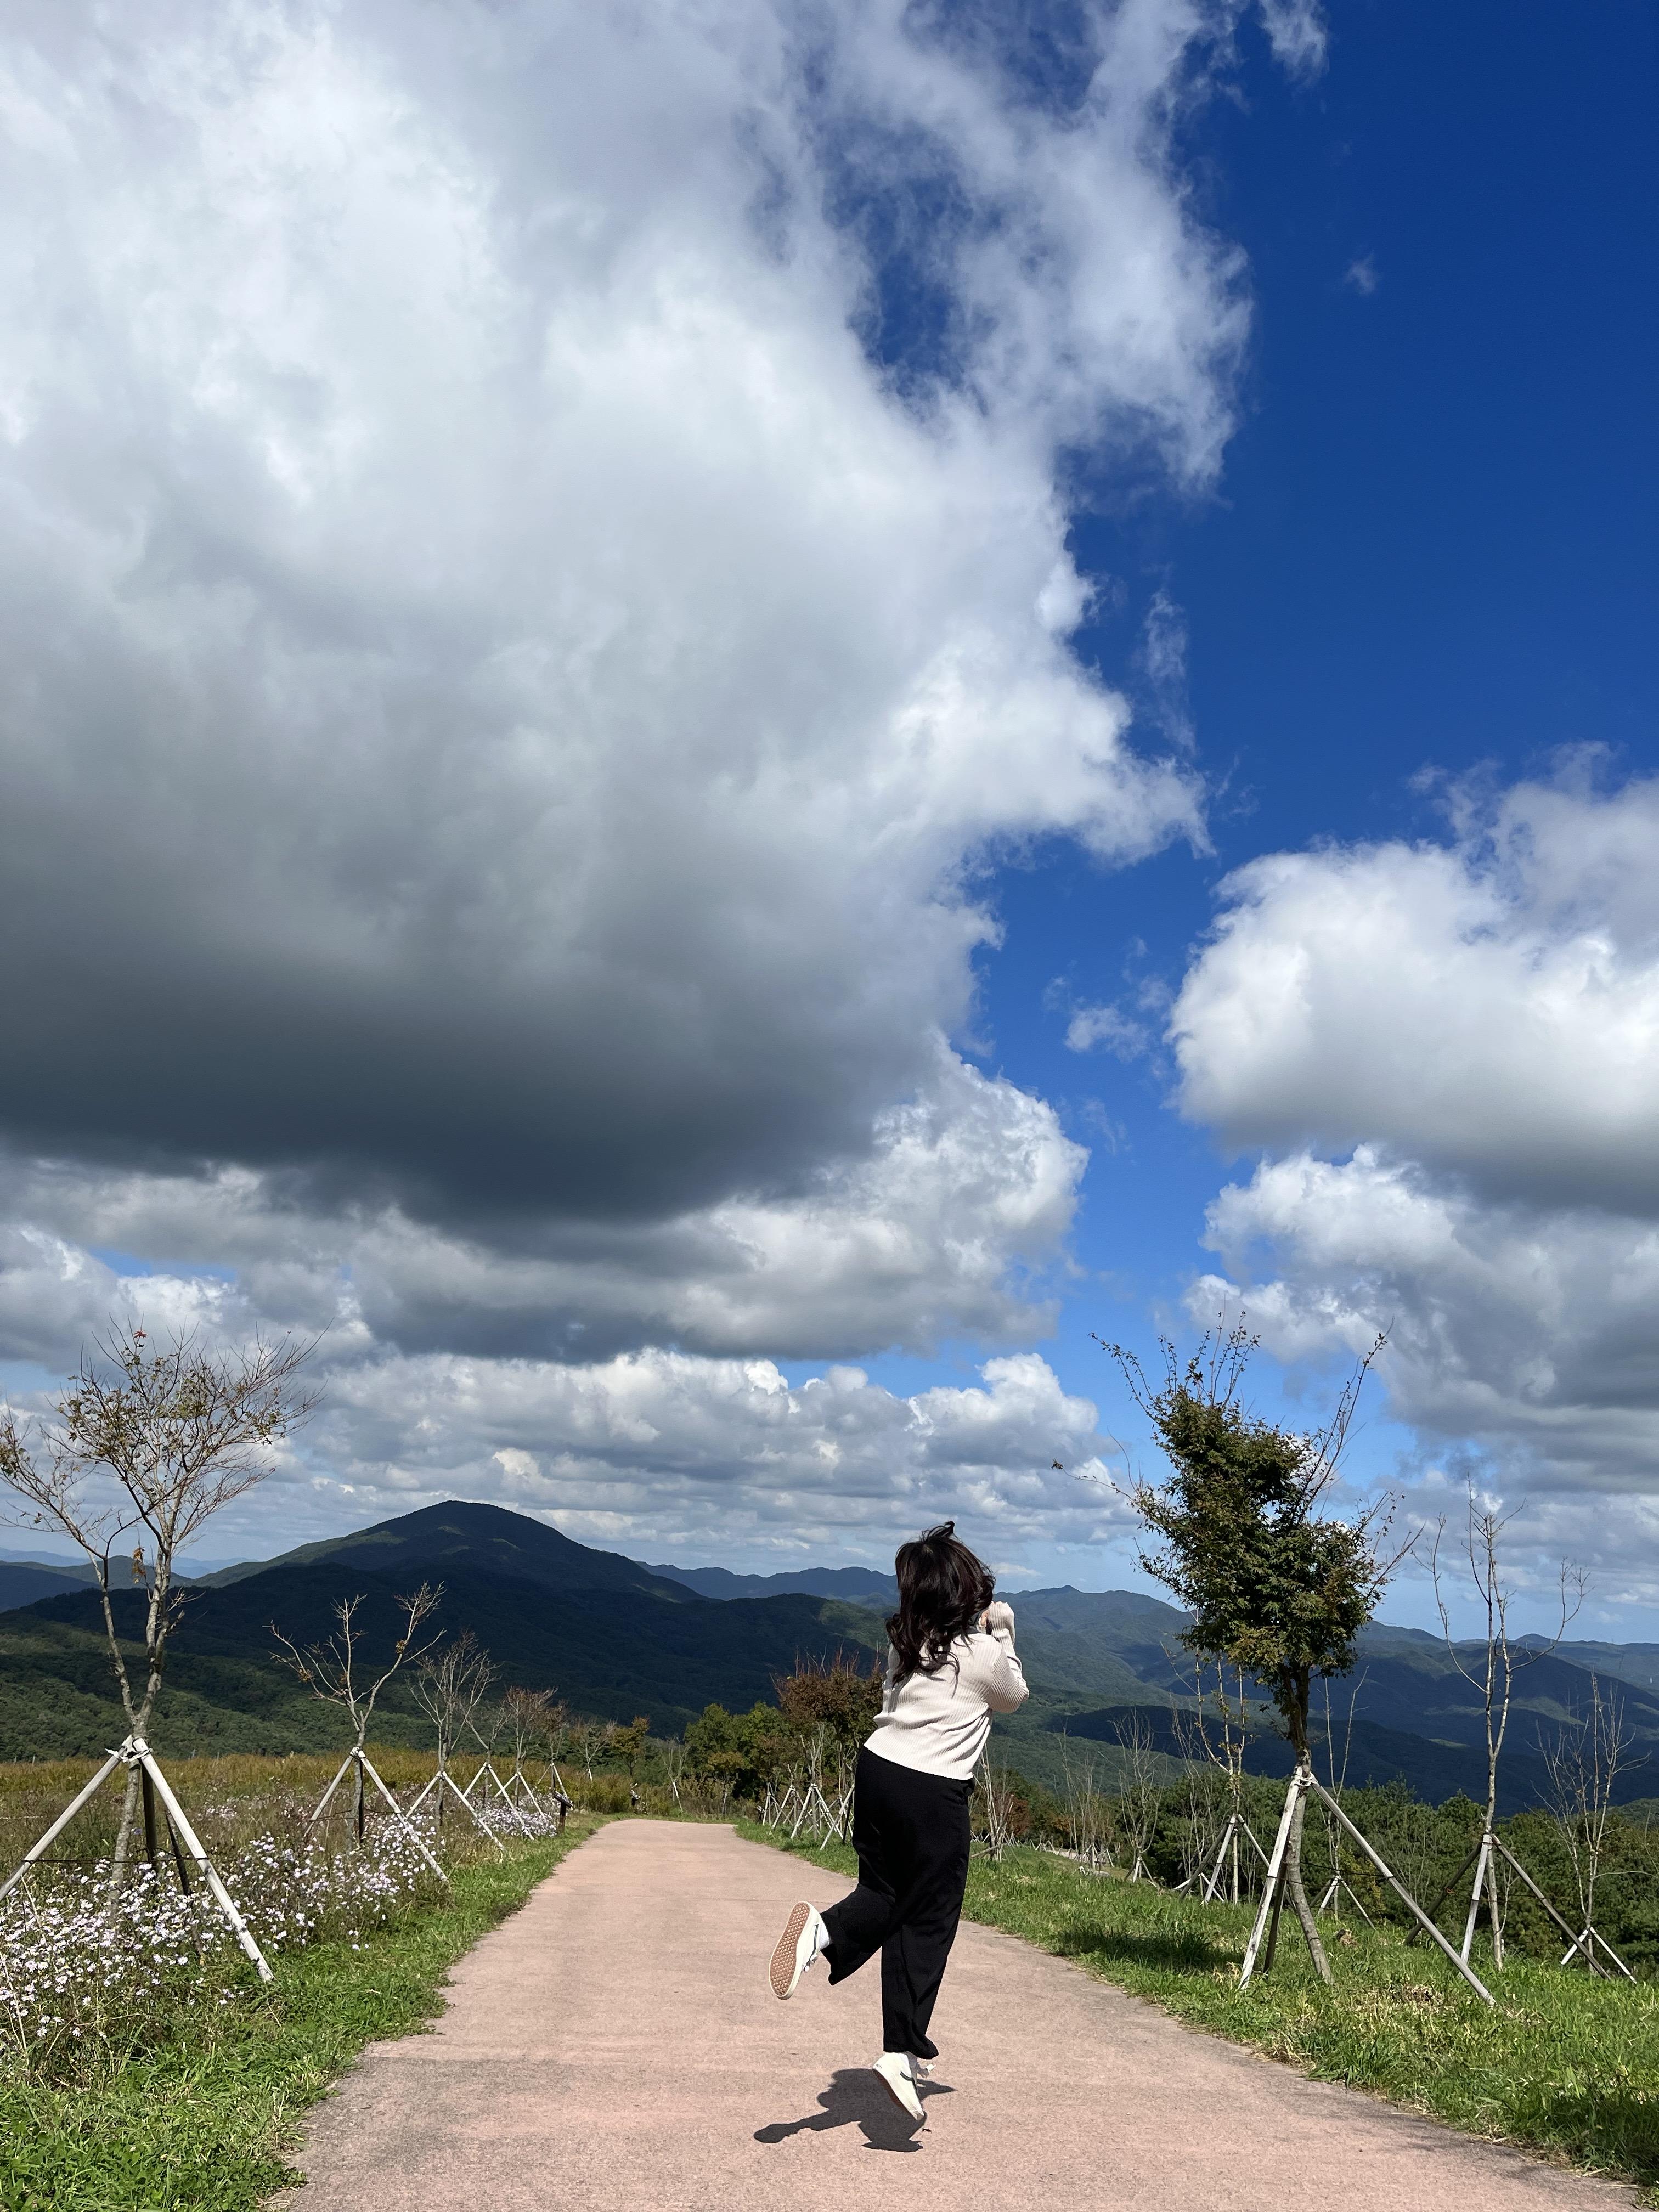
<point>943,1590</point>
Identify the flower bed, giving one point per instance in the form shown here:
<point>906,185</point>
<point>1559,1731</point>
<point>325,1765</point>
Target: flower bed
<point>84,1978</point>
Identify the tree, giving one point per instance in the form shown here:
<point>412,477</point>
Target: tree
<point>329,1669</point>
<point>147,1443</point>
<point>449,1687</point>
<point>1584,1763</point>
<point>1492,1676</point>
<point>1276,1586</point>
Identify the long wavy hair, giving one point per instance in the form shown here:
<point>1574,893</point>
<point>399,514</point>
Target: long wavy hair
<point>943,1590</point>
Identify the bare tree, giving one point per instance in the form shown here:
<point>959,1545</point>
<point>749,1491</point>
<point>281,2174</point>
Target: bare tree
<point>330,1670</point>
<point>1585,1765</point>
<point>528,1715</point>
<point>1337,1771</point>
<point>1491,1675</point>
<point>998,1799</point>
<point>449,1688</point>
<point>1138,1793</point>
<point>1218,1729</point>
<point>147,1443</point>
<point>673,1765</point>
<point>1088,1817</point>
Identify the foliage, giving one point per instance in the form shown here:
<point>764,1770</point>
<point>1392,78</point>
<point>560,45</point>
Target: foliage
<point>85,1982</point>
<point>205,2117</point>
<point>1277,1590</point>
<point>839,1693</point>
<point>1563,2063</point>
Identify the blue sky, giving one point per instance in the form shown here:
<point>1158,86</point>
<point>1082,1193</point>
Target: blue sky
<point>1431,556</point>
<point>622,642</point>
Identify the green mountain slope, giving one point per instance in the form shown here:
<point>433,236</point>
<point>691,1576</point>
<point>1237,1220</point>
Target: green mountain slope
<point>608,1652</point>
<point>615,1639</point>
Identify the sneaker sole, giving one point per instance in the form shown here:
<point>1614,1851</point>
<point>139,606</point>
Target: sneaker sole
<point>787,1966</point>
<point>892,2091</point>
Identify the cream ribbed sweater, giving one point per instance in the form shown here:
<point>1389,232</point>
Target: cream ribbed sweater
<point>938,1723</point>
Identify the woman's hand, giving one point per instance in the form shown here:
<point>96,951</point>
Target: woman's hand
<point>999,1618</point>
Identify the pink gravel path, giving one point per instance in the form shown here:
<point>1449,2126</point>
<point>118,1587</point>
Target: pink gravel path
<point>614,2048</point>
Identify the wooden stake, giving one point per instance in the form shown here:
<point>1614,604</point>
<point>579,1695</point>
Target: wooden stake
<point>37,1851</point>
<point>1275,1881</point>
<point>1401,1891</point>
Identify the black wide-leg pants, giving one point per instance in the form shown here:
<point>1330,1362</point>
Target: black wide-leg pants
<point>911,1833</point>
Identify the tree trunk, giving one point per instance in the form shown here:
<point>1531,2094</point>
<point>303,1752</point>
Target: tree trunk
<point>118,1865</point>
<point>1297,1894</point>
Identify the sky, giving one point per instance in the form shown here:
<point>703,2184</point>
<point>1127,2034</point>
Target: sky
<point>726,724</point>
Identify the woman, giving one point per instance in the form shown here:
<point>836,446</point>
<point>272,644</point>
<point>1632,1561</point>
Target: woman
<point>950,1664</point>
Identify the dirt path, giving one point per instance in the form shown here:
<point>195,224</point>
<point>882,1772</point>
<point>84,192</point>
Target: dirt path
<point>615,2049</point>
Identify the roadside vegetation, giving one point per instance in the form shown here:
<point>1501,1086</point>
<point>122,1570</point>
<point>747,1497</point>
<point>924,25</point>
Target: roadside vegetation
<point>144,2065</point>
<point>1565,2064</point>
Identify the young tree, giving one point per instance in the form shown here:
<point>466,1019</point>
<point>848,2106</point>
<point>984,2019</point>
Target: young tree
<point>1584,1764</point>
<point>1139,1795</point>
<point>147,1443</point>
<point>1276,1585</point>
<point>1492,1674</point>
<point>528,1715</point>
<point>330,1670</point>
<point>449,1686</point>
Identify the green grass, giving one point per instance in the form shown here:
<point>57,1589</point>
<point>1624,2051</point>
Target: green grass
<point>1561,2063</point>
<point>205,2121</point>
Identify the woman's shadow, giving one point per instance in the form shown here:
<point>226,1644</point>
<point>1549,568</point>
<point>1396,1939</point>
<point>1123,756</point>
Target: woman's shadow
<point>855,2097</point>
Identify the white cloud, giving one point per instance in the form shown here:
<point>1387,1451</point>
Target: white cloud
<point>1092,1025</point>
<point>479,620</point>
<point>1296,31</point>
<point>1488,1007</point>
<point>1472,1030</point>
<point>532,579</point>
<point>657,1450</point>
<point>947,1231</point>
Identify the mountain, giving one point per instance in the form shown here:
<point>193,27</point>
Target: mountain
<point>612,1638</point>
<point>851,1585</point>
<point>475,1539</point>
<point>24,1581</point>
<point>616,1638</point>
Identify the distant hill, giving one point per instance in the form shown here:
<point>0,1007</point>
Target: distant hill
<point>25,1582</point>
<point>616,1638</point>
<point>613,1639</point>
<point>851,1585</point>
<point>475,1538</point>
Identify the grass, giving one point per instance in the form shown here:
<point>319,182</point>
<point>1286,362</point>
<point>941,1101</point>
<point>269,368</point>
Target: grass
<point>1561,2063</point>
<point>206,2120</point>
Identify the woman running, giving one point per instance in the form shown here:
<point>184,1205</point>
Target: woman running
<point>950,1664</point>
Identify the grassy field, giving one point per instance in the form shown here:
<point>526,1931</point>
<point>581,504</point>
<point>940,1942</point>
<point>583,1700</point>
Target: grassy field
<point>203,2117</point>
<point>1562,2063</point>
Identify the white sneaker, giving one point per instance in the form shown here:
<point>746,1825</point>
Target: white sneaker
<point>894,2067</point>
<point>804,1934</point>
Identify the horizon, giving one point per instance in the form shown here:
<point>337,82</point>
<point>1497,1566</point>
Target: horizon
<point>762,741</point>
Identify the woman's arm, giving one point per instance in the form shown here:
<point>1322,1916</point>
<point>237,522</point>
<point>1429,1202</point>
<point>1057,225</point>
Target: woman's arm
<point>997,1676</point>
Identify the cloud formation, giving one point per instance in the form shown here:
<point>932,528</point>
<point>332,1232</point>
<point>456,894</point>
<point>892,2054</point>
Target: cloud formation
<point>1489,1006</point>
<point>513,654</point>
<point>533,589</point>
<point>1450,1054</point>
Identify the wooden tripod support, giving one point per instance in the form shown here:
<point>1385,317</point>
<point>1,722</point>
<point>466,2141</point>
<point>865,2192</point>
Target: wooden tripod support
<point>444,1779</point>
<point>357,1757</point>
<point>136,1753</point>
<point>1303,1781</point>
<point>1483,1857</point>
<point>1236,1825</point>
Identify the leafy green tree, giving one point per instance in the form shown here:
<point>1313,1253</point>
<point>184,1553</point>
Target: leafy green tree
<point>1241,1537</point>
<point>842,1694</point>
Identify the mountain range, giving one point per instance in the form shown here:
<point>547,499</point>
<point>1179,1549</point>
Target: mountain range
<point>616,1638</point>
